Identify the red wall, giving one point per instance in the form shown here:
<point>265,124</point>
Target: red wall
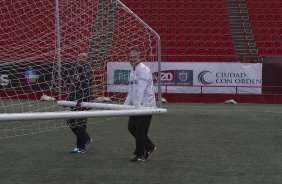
<point>220,98</point>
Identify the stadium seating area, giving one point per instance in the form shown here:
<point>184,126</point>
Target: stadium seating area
<point>266,20</point>
<point>194,30</point>
<point>190,30</point>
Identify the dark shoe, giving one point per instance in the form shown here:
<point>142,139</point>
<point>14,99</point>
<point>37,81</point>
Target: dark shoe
<point>138,159</point>
<point>90,140</point>
<point>148,153</point>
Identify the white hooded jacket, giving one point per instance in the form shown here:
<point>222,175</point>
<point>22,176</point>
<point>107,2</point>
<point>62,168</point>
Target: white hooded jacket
<point>141,88</point>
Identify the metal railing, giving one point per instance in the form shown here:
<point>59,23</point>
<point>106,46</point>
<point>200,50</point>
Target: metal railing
<point>203,89</point>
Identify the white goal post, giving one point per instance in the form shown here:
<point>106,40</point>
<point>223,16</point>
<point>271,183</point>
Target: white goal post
<point>92,105</point>
<point>39,48</point>
<point>80,114</point>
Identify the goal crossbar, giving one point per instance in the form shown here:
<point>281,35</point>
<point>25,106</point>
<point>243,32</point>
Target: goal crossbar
<point>80,114</point>
<point>93,105</point>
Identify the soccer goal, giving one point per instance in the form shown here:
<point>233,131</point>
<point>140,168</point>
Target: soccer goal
<point>39,48</point>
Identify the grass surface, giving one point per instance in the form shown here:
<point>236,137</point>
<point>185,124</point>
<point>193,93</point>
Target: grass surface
<point>196,144</point>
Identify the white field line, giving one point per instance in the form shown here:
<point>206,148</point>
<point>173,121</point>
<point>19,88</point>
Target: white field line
<point>274,112</point>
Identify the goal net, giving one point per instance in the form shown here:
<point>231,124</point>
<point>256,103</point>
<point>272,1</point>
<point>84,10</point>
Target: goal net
<point>40,48</point>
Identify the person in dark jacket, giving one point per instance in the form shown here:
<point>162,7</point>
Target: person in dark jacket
<point>80,90</point>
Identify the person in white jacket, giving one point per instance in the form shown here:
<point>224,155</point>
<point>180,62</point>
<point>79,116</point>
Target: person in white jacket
<point>140,94</point>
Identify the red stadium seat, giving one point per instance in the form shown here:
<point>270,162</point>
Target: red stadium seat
<point>190,27</point>
<point>265,17</point>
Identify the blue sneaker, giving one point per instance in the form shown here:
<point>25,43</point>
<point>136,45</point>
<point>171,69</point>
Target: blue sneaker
<point>77,151</point>
<point>89,141</point>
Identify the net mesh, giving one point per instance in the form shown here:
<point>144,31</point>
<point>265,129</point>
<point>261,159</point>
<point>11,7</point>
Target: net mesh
<point>36,59</point>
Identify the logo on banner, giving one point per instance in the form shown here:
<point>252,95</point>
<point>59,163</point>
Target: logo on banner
<point>201,78</point>
<point>176,77</point>
<point>121,76</point>
<point>4,80</point>
<point>167,77</point>
<point>30,75</point>
<point>184,77</point>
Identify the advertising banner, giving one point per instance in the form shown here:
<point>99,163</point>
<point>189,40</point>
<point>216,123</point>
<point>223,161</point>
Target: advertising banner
<point>190,77</point>
<point>25,76</point>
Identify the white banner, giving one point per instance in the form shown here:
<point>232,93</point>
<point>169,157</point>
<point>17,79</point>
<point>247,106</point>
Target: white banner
<point>190,77</point>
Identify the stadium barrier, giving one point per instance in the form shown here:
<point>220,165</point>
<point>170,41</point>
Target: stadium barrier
<point>273,95</point>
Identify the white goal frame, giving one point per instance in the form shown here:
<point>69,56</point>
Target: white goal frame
<point>115,109</point>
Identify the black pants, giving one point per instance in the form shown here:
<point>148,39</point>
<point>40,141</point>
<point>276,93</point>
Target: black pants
<point>78,126</point>
<point>138,126</point>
